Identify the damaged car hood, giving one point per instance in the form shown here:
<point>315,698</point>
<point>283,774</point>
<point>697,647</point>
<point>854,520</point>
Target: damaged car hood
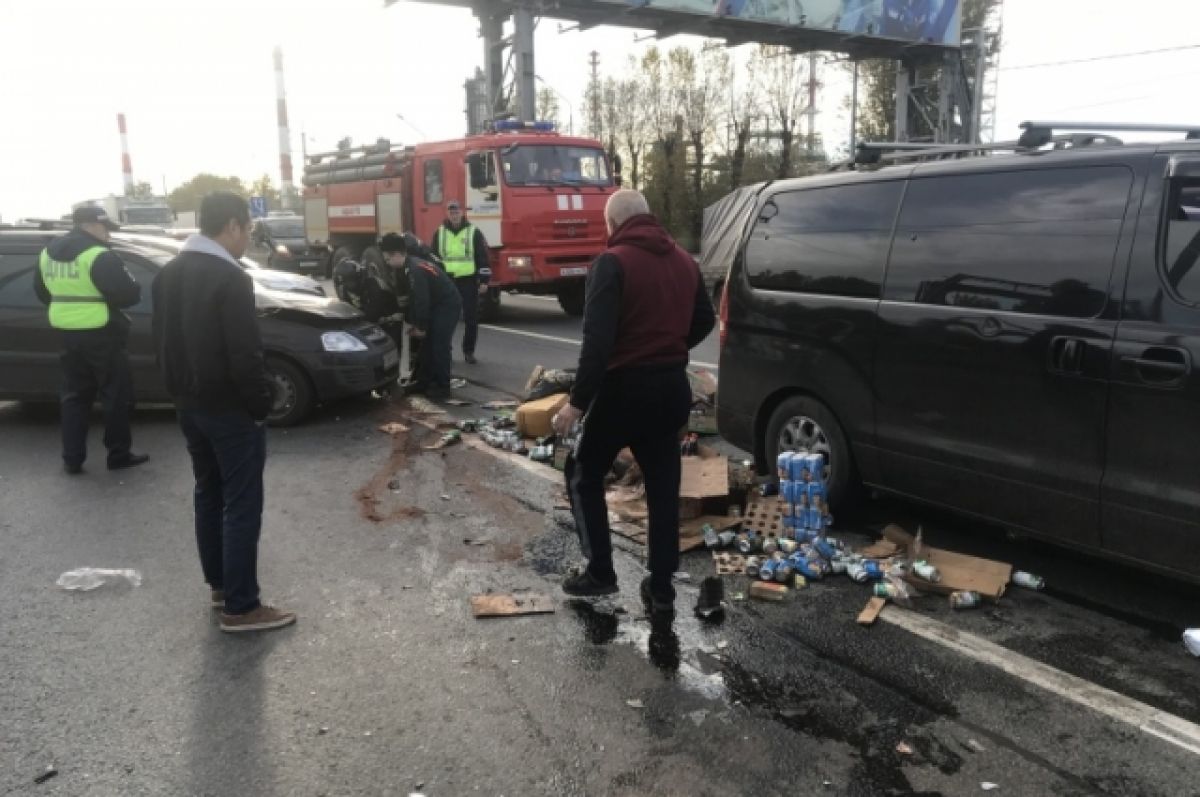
<point>314,310</point>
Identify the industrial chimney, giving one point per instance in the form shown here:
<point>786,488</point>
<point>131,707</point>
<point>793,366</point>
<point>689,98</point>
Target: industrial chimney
<point>286,189</point>
<point>126,164</point>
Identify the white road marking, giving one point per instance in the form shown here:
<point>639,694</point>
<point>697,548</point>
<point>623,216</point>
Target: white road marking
<point>1168,727</point>
<point>570,341</point>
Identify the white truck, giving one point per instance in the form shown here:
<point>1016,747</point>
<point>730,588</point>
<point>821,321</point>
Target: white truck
<point>149,211</point>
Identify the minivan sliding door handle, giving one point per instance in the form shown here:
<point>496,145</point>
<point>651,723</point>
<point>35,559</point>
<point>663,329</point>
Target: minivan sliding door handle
<point>1160,364</point>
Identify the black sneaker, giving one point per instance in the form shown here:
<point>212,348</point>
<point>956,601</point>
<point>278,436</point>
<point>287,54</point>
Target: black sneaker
<point>657,605</point>
<point>710,604</point>
<point>584,585</point>
<point>470,358</point>
<point>73,468</point>
<point>128,461</point>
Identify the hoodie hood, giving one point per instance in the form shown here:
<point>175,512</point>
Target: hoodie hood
<point>644,232</point>
<point>205,245</point>
<point>72,245</point>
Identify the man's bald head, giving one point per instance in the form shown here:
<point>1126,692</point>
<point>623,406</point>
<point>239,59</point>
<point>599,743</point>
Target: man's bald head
<point>623,206</point>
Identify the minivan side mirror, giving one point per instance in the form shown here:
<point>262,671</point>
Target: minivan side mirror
<point>769,211</point>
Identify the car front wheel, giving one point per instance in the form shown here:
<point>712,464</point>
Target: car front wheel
<point>802,423</point>
<point>294,395</point>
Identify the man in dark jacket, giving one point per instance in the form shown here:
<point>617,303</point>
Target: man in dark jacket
<point>86,287</point>
<point>211,355</point>
<point>646,309</point>
<point>432,314</point>
<point>463,250</point>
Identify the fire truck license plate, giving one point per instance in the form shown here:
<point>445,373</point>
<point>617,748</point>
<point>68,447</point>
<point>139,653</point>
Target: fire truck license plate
<point>574,272</point>
<point>390,360</point>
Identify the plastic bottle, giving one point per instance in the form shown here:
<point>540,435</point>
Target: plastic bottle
<point>88,578</point>
<point>964,599</point>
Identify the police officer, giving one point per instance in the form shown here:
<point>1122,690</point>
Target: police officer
<point>86,286</point>
<point>464,251</point>
<point>434,307</point>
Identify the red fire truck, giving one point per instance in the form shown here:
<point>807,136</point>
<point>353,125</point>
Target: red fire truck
<point>538,197</point>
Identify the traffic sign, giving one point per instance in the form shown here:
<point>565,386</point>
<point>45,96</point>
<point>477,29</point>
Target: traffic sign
<point>258,207</point>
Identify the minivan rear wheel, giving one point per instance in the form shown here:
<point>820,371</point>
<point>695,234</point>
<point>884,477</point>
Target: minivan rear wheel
<point>802,423</point>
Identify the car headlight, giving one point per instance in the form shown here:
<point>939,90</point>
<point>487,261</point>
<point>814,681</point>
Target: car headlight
<point>282,250</point>
<point>341,341</point>
<point>520,262</point>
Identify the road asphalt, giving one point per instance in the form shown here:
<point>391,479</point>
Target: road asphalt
<point>388,686</point>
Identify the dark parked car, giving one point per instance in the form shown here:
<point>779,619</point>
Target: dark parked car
<point>318,349</point>
<point>1016,337</point>
<point>287,247</point>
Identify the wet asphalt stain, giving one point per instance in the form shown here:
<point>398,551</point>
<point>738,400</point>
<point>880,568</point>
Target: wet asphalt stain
<point>373,496</point>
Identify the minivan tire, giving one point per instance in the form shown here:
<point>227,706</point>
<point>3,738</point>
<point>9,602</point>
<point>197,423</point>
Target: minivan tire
<point>831,441</point>
<point>299,395</point>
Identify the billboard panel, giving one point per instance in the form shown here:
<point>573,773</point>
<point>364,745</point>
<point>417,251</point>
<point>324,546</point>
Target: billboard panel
<point>925,21</point>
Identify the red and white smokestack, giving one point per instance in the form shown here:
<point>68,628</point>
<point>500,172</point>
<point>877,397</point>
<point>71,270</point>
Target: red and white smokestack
<point>126,164</point>
<point>285,135</point>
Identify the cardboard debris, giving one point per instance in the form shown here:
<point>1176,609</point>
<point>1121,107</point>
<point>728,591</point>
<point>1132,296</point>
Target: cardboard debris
<point>768,591</point>
<point>704,476</point>
<point>764,517</point>
<point>883,549</point>
<point>959,571</point>
<point>533,417</point>
<point>870,612</point>
<point>510,605</point>
<point>729,564</point>
<point>393,428</point>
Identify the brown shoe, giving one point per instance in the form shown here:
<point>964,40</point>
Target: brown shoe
<point>218,599</point>
<point>264,618</point>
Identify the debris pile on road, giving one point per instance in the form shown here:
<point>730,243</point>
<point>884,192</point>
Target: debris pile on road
<point>85,579</point>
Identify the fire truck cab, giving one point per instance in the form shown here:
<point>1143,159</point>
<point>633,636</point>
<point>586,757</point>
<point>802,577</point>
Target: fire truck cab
<point>538,197</point>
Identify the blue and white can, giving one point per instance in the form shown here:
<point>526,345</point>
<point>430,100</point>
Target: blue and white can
<point>783,464</point>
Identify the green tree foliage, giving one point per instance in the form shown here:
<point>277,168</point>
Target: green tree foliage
<point>188,196</point>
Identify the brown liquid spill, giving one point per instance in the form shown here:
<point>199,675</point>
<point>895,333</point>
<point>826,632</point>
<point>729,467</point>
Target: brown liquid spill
<point>371,495</point>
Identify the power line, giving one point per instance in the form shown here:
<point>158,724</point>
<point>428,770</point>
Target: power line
<point>1102,57</point>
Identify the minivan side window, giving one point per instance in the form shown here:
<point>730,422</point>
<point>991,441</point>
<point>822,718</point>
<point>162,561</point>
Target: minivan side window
<point>1182,244</point>
<point>433,182</point>
<point>831,241</point>
<point>1041,242</point>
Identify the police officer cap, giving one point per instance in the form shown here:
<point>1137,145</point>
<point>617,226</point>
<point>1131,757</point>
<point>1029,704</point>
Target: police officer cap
<point>91,214</point>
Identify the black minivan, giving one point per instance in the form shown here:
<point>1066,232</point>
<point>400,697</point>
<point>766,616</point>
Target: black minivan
<point>1015,337</point>
<point>318,349</point>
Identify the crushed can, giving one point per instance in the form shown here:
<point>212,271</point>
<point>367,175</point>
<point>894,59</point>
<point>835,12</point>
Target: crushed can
<point>727,538</point>
<point>766,570</point>
<point>753,563</point>
<point>809,568</point>
<point>884,589</point>
<point>711,539</point>
<point>747,542</point>
<point>770,544</point>
<point>824,549</point>
<point>965,599</point>
<point>788,545</point>
<point>784,571</point>
<point>838,565</point>
<point>1028,580</point>
<point>858,572</point>
<point>926,572</point>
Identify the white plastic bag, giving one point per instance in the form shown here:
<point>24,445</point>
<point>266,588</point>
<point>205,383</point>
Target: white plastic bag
<point>88,578</point>
<point>1191,638</point>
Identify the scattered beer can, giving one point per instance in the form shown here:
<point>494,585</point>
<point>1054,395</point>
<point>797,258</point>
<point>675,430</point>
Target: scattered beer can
<point>824,549</point>
<point>727,538</point>
<point>839,566</point>
<point>784,571</point>
<point>752,565</point>
<point>964,599</point>
<point>926,572</point>
<point>858,572</point>
<point>711,539</point>
<point>747,542</point>
<point>1028,580</point>
<point>770,544</point>
<point>788,545</point>
<point>766,570</point>
<point>884,589</point>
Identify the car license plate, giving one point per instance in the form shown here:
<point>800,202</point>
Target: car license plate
<point>390,360</point>
<point>574,272</point>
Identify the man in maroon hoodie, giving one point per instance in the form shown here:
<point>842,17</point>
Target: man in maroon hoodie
<point>646,308</point>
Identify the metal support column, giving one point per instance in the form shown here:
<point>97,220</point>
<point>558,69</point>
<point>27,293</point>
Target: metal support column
<point>904,79</point>
<point>491,29</point>
<point>977,91</point>
<point>525,72</point>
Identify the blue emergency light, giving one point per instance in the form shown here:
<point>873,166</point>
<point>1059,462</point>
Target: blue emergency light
<point>512,125</point>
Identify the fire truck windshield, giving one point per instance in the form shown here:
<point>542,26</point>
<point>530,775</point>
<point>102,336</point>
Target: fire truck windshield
<point>539,164</point>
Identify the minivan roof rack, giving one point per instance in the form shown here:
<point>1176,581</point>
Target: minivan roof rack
<point>1039,133</point>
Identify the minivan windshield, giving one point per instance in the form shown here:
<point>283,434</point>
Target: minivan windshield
<point>285,228</point>
<point>538,164</point>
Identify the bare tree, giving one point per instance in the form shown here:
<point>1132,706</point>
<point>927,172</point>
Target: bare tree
<point>610,113</point>
<point>631,129</point>
<point>702,83</point>
<point>745,109</point>
<point>547,104</point>
<point>783,85</point>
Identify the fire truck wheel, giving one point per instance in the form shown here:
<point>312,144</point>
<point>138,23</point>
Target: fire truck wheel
<point>339,254</point>
<point>571,299</point>
<point>489,306</point>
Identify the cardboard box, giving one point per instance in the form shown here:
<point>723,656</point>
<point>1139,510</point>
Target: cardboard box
<point>533,417</point>
<point>959,571</point>
<point>768,591</point>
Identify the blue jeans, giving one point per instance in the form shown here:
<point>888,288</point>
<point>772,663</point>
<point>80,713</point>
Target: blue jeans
<point>229,451</point>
